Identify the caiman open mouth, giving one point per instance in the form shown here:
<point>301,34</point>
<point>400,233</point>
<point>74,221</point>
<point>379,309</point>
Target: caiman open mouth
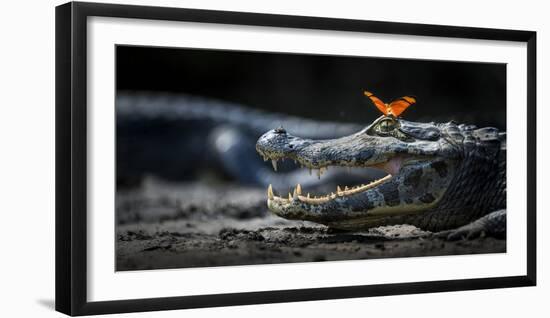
<point>391,167</point>
<point>417,168</point>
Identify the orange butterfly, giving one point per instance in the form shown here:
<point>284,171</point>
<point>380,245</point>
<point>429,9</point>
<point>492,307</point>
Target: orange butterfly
<point>395,108</point>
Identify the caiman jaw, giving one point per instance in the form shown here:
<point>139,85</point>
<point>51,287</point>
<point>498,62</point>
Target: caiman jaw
<point>322,199</point>
<point>391,167</point>
<point>417,175</point>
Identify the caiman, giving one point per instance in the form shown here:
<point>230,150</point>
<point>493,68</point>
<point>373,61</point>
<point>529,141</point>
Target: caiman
<point>445,178</point>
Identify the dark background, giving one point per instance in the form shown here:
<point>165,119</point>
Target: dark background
<point>321,86</point>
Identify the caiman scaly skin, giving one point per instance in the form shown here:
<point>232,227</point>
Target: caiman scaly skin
<point>440,177</point>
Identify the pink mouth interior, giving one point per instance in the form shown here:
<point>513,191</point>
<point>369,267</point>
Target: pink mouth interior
<point>391,166</point>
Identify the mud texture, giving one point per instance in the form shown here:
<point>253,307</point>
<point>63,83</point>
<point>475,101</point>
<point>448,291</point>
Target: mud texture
<point>165,225</point>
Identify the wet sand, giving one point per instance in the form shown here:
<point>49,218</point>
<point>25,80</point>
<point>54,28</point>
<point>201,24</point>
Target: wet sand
<point>166,225</point>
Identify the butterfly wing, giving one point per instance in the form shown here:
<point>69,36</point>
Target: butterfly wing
<point>399,105</point>
<point>377,102</point>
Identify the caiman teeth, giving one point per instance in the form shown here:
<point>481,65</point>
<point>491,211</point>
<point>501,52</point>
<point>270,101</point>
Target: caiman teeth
<point>321,171</point>
<point>270,192</point>
<point>274,164</point>
<point>297,193</point>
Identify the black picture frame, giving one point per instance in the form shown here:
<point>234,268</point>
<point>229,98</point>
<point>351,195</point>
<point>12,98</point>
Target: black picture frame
<point>71,157</point>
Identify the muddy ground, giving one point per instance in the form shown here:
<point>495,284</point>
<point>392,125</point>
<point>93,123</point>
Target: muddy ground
<point>168,225</point>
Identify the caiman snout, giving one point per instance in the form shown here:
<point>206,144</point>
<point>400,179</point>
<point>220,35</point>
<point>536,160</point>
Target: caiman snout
<point>354,150</point>
<point>277,144</point>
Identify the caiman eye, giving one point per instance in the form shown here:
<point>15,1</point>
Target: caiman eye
<point>386,126</point>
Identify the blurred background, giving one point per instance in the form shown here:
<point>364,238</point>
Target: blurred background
<point>321,87</point>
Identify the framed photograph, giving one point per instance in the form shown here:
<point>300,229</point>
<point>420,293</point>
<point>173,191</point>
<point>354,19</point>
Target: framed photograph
<point>226,158</point>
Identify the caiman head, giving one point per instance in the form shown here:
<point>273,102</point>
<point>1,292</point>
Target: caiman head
<point>419,161</point>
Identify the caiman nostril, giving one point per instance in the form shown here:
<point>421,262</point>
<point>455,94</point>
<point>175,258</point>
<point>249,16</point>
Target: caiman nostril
<point>280,130</point>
